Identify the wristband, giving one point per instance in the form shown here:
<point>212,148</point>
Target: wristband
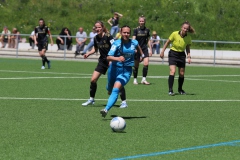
<point>189,57</point>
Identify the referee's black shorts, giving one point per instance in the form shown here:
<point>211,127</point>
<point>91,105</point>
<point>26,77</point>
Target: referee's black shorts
<point>177,58</point>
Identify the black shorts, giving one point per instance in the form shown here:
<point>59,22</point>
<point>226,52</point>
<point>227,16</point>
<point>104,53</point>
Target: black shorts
<point>101,68</point>
<point>145,52</point>
<point>42,46</point>
<point>177,58</point>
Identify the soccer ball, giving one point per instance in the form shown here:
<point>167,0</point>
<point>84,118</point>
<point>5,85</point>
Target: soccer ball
<point>118,124</point>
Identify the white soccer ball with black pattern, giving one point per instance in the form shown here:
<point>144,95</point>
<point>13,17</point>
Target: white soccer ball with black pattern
<point>118,124</point>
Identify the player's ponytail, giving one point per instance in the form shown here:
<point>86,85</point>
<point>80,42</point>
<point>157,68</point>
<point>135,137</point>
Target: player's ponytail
<point>191,29</point>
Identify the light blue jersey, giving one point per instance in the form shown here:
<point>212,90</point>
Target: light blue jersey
<point>123,49</point>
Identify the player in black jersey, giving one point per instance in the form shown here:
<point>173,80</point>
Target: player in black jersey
<point>102,42</point>
<point>41,40</point>
<point>142,35</point>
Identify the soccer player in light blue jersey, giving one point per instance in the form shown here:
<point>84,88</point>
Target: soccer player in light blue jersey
<point>121,54</point>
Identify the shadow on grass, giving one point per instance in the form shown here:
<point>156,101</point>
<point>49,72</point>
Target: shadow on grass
<point>132,117</point>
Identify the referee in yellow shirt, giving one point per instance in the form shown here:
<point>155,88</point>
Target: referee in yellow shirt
<point>180,41</point>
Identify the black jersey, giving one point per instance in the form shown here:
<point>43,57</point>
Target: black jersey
<point>115,21</point>
<point>103,45</point>
<point>41,33</point>
<point>142,36</point>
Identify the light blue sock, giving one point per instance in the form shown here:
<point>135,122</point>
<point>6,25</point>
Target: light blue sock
<point>112,99</point>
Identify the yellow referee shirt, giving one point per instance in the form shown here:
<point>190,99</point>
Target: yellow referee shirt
<point>178,43</point>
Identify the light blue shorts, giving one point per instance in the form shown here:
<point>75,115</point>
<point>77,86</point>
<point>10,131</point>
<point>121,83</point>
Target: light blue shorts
<point>118,74</point>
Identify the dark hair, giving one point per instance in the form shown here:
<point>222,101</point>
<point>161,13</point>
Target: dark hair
<point>41,19</point>
<point>104,28</point>
<point>190,29</point>
<point>63,29</point>
<point>127,27</point>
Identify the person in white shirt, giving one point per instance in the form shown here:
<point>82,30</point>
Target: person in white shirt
<point>31,39</point>
<point>91,43</point>
<point>155,42</point>
<point>5,37</point>
<point>81,38</point>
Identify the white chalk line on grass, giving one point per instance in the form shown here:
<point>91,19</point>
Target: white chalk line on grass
<point>91,74</point>
<point>18,78</point>
<point>11,71</point>
<point>21,78</point>
<point>191,77</point>
<point>133,100</point>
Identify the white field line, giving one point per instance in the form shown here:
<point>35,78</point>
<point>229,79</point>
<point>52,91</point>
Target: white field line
<point>21,78</point>
<point>91,74</point>
<point>18,78</point>
<point>133,100</point>
<point>11,71</point>
<point>104,76</point>
<point>210,80</point>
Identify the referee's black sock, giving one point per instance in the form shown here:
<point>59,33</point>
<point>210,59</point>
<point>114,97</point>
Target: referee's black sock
<point>180,83</point>
<point>93,89</point>
<point>170,82</point>
<point>122,94</point>
<point>145,71</point>
<point>135,72</point>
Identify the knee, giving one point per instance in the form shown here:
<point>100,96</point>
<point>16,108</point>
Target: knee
<point>181,74</point>
<point>93,81</point>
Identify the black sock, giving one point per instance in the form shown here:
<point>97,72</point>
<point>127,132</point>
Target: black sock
<point>180,83</point>
<point>43,61</point>
<point>46,60</point>
<point>122,94</point>
<point>135,72</point>
<point>93,89</point>
<point>170,82</point>
<point>145,71</point>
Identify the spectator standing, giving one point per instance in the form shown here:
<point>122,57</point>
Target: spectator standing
<point>5,37</point>
<point>114,22</point>
<point>155,43</point>
<point>91,43</point>
<point>41,40</point>
<point>181,41</point>
<point>81,38</point>
<point>64,34</point>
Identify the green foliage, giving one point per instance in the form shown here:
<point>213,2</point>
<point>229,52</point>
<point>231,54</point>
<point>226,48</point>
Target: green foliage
<point>212,20</point>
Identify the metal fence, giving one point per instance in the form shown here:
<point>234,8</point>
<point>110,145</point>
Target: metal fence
<point>211,45</point>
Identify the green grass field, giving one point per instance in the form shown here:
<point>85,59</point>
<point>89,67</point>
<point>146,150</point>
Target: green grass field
<point>41,116</point>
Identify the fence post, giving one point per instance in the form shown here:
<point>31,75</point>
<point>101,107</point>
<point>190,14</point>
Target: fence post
<point>65,47</point>
<point>160,50</point>
<point>16,46</point>
<point>214,56</point>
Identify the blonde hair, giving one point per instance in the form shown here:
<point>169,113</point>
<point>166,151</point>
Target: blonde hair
<point>14,30</point>
<point>142,18</point>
